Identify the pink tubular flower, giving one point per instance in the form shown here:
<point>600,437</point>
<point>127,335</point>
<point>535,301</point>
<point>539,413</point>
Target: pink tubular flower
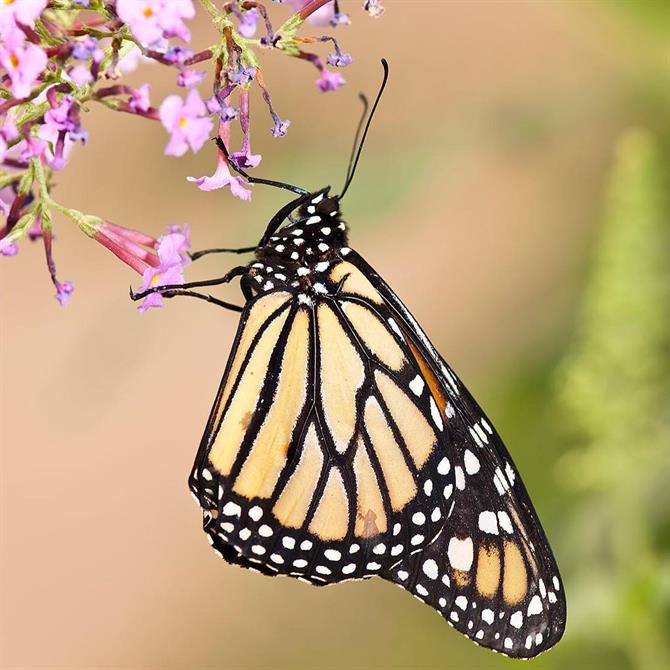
<point>244,158</point>
<point>187,123</point>
<point>173,257</point>
<point>330,81</point>
<point>131,246</point>
<point>152,20</point>
<point>222,178</point>
<point>324,16</point>
<point>24,64</point>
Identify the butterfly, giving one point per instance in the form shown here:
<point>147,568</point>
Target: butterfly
<point>341,445</point>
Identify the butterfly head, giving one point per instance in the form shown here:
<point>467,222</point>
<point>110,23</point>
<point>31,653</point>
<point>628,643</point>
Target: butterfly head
<point>310,233</point>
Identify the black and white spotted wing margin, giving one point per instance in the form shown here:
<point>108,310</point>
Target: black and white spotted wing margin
<point>490,571</point>
<point>341,446</point>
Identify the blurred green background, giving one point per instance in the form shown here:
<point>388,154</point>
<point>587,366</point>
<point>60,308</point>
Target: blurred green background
<point>515,191</point>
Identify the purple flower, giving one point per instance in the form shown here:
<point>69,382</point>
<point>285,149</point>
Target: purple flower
<point>139,99</point>
<point>280,127</point>
<point>151,20</point>
<point>222,178</point>
<point>81,75</point>
<point>248,21</point>
<point>64,291</point>
<point>19,11</point>
<point>178,55</point>
<point>24,64</point>
<point>225,112</point>
<point>330,81</point>
<point>8,132</point>
<point>374,8</point>
<point>339,59</point>
<point>8,248</point>
<point>173,257</point>
<point>64,116</point>
<point>186,121</point>
<point>189,78</point>
<point>242,76</point>
<point>84,49</point>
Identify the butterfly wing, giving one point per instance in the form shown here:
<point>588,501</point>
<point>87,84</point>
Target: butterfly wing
<point>490,571</point>
<point>316,456</point>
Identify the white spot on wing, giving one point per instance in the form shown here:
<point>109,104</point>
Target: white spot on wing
<point>535,605</point>
<point>471,462</point>
<point>429,568</point>
<point>417,385</point>
<point>505,522</point>
<point>460,553</point>
<point>460,477</point>
<point>435,413</point>
<point>488,522</point>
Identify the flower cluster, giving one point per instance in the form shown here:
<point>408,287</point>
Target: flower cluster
<point>59,57</point>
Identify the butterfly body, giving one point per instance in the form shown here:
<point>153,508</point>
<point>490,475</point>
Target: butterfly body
<point>341,446</point>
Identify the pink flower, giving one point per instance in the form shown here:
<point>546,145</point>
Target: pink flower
<point>330,81</point>
<point>324,16</point>
<point>188,78</point>
<point>173,257</point>
<point>132,246</point>
<point>152,20</point>
<point>222,178</point>
<point>64,291</point>
<point>81,75</point>
<point>8,248</point>
<point>186,122</point>
<point>19,11</point>
<point>139,99</point>
<point>24,64</point>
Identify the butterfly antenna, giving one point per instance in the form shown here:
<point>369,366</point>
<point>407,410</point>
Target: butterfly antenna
<point>352,170</point>
<point>364,100</point>
<point>256,180</point>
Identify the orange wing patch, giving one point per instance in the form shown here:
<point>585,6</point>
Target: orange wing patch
<point>416,432</point>
<point>370,515</point>
<point>376,336</point>
<point>342,374</point>
<point>398,478</point>
<point>293,503</point>
<point>356,283</point>
<point>236,418</point>
<point>267,458</point>
<point>331,519</point>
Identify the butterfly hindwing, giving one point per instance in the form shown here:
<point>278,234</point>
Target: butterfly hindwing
<point>490,572</point>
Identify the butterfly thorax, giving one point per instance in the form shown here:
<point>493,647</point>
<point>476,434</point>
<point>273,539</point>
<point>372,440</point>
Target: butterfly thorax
<point>303,248</point>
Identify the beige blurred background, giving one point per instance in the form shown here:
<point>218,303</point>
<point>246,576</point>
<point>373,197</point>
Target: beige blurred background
<point>477,198</point>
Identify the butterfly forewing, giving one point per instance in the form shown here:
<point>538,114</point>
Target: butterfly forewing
<point>317,456</point>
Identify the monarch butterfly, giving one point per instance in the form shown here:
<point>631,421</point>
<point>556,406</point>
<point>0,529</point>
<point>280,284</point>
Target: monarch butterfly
<point>342,446</point>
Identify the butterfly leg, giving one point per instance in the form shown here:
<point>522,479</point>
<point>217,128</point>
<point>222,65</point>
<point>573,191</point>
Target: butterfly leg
<point>204,252</point>
<point>202,296</point>
<point>230,275</point>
